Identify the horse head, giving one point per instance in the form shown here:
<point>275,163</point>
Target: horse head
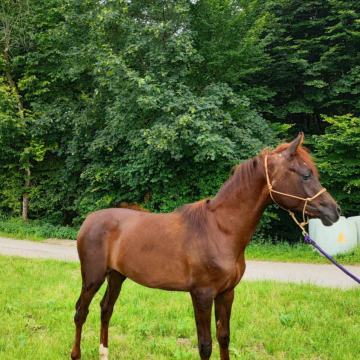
<point>294,184</point>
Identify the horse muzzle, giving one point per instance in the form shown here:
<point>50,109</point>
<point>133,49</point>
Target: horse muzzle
<point>327,213</point>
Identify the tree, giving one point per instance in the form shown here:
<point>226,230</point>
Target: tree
<point>314,60</point>
<point>338,156</point>
<point>117,109</point>
<point>230,37</point>
<point>161,131</point>
<point>13,38</point>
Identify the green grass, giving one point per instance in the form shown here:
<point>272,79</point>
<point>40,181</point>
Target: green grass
<point>270,320</point>
<point>34,230</point>
<point>295,253</point>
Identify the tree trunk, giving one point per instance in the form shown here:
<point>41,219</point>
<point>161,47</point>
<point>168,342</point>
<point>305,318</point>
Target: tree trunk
<point>7,20</point>
<point>25,202</point>
<point>13,85</point>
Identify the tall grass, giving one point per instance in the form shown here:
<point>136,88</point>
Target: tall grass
<point>34,229</point>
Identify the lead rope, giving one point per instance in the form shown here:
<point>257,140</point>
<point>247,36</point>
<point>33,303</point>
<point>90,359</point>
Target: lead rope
<point>302,224</point>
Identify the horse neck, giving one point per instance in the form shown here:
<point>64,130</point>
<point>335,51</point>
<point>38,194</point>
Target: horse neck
<point>241,201</point>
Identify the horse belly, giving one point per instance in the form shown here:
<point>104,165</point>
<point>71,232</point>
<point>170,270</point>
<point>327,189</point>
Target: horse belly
<point>160,275</point>
<point>152,261</point>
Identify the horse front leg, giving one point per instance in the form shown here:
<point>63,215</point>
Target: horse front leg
<point>223,303</point>
<point>202,301</point>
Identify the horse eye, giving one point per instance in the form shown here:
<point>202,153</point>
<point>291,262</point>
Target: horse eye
<point>307,176</point>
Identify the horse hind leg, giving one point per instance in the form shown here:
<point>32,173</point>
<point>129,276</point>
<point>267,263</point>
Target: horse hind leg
<point>115,280</point>
<point>82,310</point>
<point>93,276</point>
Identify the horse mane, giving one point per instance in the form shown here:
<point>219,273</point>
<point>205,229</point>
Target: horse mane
<point>195,215</point>
<point>240,174</point>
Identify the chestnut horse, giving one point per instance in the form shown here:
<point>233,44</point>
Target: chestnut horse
<point>198,248</point>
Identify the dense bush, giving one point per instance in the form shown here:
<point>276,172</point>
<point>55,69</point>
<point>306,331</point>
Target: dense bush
<point>35,229</point>
<point>154,102</point>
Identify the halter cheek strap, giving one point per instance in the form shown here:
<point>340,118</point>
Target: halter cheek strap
<point>306,200</point>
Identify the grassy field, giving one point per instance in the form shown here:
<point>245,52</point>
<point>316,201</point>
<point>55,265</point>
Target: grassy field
<point>270,320</point>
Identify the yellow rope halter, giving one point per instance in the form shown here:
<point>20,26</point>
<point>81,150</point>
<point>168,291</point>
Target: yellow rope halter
<point>306,200</point>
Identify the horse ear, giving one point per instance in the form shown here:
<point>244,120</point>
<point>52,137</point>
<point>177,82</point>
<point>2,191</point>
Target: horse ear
<point>291,150</point>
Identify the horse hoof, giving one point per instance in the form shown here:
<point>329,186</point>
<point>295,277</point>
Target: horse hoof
<point>75,355</point>
<point>103,352</point>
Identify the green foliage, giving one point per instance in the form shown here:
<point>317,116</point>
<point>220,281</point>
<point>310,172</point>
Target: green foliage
<point>338,157</point>
<point>116,115</point>
<point>154,102</point>
<point>11,137</point>
<point>34,229</point>
<point>230,36</point>
<point>195,146</point>
<point>313,47</point>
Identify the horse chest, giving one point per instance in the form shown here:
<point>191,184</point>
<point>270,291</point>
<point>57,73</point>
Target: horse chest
<point>219,271</point>
<point>216,266</point>
<point>228,274</point>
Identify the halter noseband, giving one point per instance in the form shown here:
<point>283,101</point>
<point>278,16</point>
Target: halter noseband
<point>306,200</point>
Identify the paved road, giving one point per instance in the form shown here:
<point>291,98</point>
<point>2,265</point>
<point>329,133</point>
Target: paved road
<point>52,249</point>
<point>322,275</point>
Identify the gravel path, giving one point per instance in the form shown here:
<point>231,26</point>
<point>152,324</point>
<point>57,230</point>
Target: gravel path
<point>322,275</point>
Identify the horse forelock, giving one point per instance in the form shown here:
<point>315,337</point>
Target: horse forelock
<point>303,153</point>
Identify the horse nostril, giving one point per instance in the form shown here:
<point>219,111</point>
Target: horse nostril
<point>338,209</point>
